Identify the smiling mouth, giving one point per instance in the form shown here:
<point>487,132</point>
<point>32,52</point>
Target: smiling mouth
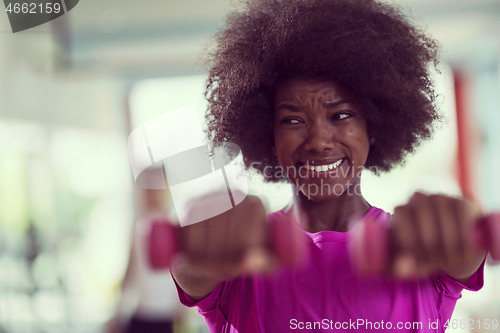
<point>324,167</point>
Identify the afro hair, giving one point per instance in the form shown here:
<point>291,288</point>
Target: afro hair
<point>367,46</point>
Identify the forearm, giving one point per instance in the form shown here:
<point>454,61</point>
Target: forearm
<point>463,272</point>
<point>190,279</point>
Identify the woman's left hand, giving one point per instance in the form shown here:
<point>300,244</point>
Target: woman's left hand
<point>435,232</point>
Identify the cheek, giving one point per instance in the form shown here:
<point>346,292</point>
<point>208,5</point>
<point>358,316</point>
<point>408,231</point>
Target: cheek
<point>282,150</point>
<point>359,137</point>
<point>364,148</point>
<point>284,147</point>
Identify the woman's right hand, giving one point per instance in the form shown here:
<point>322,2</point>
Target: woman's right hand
<point>227,245</point>
<point>236,242</point>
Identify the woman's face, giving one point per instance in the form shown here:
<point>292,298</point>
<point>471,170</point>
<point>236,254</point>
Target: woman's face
<point>320,137</point>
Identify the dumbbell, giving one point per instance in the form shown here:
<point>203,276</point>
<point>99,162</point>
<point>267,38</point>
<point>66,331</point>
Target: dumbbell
<point>369,243</point>
<point>162,242</point>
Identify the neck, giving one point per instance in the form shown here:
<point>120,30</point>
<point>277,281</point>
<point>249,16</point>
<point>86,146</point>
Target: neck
<point>333,215</point>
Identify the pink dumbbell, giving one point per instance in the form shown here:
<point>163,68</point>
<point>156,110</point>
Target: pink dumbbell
<point>370,245</point>
<point>163,242</point>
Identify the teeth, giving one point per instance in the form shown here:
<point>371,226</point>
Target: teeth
<point>326,167</point>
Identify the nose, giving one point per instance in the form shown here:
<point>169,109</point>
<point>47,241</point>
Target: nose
<point>319,137</point>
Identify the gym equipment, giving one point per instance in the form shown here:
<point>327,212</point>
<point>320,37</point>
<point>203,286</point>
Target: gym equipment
<point>369,242</point>
<point>370,246</point>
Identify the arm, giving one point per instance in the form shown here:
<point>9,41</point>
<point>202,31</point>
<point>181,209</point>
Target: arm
<point>194,283</point>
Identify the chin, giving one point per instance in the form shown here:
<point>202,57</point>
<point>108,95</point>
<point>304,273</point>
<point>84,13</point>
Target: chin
<point>322,193</point>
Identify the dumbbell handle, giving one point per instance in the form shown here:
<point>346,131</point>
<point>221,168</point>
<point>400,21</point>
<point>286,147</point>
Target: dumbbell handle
<point>369,243</point>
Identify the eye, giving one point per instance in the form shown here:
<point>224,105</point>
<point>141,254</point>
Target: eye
<point>291,121</point>
<point>341,116</point>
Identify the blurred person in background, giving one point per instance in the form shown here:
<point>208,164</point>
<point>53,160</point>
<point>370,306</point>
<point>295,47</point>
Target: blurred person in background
<point>148,302</point>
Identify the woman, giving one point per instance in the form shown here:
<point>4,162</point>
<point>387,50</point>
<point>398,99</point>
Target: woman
<point>313,91</point>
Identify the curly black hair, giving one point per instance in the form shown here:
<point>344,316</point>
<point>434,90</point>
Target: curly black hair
<point>368,47</point>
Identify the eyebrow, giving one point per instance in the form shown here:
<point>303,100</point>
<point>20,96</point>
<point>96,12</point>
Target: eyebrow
<point>290,107</point>
<point>297,108</point>
<point>337,103</point>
